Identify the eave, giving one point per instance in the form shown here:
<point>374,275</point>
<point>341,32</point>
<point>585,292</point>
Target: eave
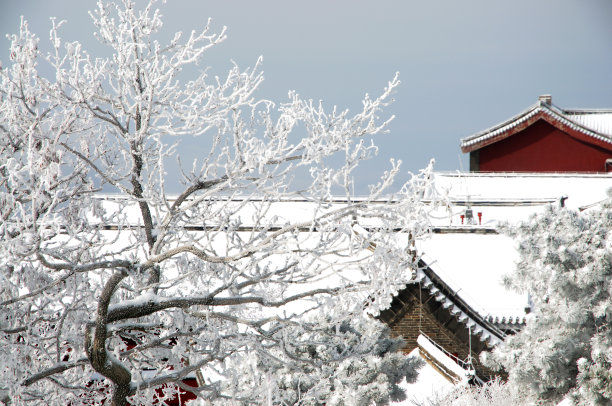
<point>462,312</point>
<point>540,111</point>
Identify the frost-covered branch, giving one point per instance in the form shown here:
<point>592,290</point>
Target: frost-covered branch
<point>235,275</point>
<point>56,369</point>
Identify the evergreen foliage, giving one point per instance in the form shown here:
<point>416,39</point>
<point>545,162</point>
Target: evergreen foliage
<point>566,347</point>
<point>334,376</point>
<point>495,392</point>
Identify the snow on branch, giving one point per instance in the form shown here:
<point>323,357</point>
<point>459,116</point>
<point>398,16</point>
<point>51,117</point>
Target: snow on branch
<point>251,276</point>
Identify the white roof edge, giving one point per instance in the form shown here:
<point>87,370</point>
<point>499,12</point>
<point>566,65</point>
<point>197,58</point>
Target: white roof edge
<point>510,320</point>
<point>509,123</point>
<point>253,198</point>
<point>587,111</point>
<point>444,359</point>
<point>562,116</point>
<point>557,112</point>
<point>475,327</point>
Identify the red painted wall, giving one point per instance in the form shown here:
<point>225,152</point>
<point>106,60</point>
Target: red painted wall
<point>542,148</point>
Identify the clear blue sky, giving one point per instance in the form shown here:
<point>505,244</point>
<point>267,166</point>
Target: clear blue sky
<point>464,65</point>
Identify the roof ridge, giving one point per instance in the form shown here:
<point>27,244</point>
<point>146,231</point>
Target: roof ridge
<point>589,131</point>
<point>541,106</point>
<point>588,111</point>
<point>514,118</point>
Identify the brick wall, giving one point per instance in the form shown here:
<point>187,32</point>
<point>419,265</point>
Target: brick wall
<point>410,317</point>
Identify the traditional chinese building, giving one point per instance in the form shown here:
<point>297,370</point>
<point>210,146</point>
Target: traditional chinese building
<point>457,301</point>
<point>457,307</point>
<point>544,138</point>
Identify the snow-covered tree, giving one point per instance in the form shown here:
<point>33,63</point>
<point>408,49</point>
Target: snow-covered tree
<point>566,345</point>
<point>120,297</point>
<point>330,377</point>
<point>495,392</point>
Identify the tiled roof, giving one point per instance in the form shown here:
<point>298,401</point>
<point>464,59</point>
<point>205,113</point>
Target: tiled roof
<point>593,123</point>
<point>596,120</point>
<point>460,309</point>
<point>473,265</point>
<point>497,321</point>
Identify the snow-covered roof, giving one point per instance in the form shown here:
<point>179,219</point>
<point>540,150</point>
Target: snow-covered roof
<point>595,124</point>
<point>430,385</point>
<point>472,259</point>
<point>513,197</point>
<point>599,121</point>
<point>462,310</point>
<point>473,266</point>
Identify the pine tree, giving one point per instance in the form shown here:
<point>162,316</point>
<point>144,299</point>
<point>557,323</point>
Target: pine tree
<point>566,267</point>
<point>495,392</point>
<point>334,375</point>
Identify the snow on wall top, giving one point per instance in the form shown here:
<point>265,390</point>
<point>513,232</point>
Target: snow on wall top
<point>509,194</point>
<point>444,360</point>
<point>471,258</point>
<point>430,384</point>
<point>247,213</point>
